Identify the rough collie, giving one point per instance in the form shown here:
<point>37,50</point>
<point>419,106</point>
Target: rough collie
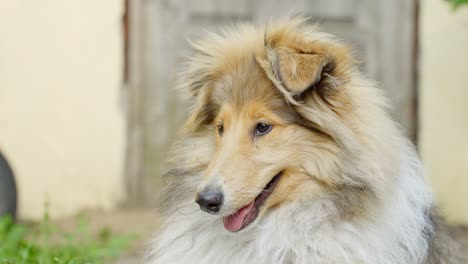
<point>290,155</point>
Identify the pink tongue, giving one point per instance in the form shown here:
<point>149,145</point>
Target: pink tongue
<point>233,223</point>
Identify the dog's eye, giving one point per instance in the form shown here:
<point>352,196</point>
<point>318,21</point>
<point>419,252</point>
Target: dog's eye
<point>262,129</point>
<point>220,129</point>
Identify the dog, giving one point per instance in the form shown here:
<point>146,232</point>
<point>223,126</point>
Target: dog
<point>290,155</point>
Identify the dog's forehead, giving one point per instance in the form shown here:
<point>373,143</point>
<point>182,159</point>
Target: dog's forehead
<point>243,83</point>
<point>252,94</point>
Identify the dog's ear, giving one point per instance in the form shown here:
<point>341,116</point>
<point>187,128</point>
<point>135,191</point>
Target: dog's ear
<point>302,69</point>
<point>299,71</point>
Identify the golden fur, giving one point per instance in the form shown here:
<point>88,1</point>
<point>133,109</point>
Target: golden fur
<point>350,182</point>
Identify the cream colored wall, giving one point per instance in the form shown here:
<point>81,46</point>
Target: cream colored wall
<point>444,104</point>
<point>61,124</point>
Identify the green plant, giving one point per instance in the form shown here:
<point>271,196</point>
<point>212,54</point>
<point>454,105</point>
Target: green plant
<point>46,244</point>
<point>457,3</point>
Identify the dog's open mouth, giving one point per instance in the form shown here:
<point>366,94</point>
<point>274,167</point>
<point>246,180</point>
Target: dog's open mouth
<point>247,214</point>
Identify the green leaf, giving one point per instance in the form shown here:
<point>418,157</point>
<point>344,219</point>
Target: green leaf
<point>457,3</point>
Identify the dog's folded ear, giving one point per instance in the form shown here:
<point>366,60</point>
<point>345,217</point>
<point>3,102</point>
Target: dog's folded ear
<point>301,71</point>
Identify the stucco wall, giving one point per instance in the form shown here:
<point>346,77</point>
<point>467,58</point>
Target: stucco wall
<point>61,124</point>
<point>444,104</point>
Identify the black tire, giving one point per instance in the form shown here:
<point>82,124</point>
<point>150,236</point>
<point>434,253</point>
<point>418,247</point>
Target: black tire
<point>8,194</point>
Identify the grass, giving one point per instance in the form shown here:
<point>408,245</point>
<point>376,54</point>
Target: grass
<point>45,243</point>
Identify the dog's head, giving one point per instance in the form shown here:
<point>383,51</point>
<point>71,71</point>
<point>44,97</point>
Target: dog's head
<point>277,107</point>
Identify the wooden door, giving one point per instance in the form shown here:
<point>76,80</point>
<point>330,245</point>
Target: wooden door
<point>382,32</point>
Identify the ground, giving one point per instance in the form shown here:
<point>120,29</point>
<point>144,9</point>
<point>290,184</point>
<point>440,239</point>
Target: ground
<point>142,222</point>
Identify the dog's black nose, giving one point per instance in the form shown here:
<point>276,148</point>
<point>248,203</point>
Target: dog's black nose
<point>210,201</point>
